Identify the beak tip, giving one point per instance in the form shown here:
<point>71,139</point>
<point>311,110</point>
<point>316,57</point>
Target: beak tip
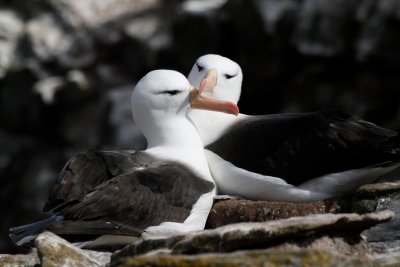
<point>236,110</point>
<point>232,108</point>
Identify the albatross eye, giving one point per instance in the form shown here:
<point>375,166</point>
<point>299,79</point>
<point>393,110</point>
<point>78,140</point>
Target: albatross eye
<point>171,92</point>
<point>227,76</point>
<point>200,68</point>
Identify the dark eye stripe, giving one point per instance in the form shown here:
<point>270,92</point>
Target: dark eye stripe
<point>200,68</point>
<point>229,76</point>
<point>171,92</point>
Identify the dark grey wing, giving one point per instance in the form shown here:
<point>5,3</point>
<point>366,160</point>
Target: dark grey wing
<point>117,193</point>
<point>87,170</point>
<point>298,147</point>
<point>80,230</point>
<point>142,198</point>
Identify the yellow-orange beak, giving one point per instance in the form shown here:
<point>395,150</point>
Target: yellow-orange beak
<point>209,81</point>
<point>202,101</point>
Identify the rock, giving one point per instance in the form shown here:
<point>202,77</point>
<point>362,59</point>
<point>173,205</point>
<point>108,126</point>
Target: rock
<point>247,235</point>
<point>382,238</point>
<point>143,28</point>
<point>149,34</point>
<point>385,237</point>
<point>51,38</point>
<point>204,8</point>
<point>54,251</point>
<point>79,52</point>
<point>300,230</point>
<point>233,211</point>
<point>372,197</point>
<point>93,13</point>
<point>47,37</point>
<point>79,79</point>
<point>377,190</point>
<point>256,258</point>
<point>344,244</point>
<point>48,87</point>
<point>30,259</point>
<point>11,29</point>
<point>388,259</point>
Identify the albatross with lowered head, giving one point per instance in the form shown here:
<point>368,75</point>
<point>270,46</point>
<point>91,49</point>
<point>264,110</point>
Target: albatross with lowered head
<point>165,189</point>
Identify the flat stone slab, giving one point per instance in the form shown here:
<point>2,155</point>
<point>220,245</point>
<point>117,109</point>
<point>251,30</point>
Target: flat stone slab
<point>244,236</point>
<point>378,189</point>
<point>368,198</point>
<point>238,210</point>
<point>258,258</point>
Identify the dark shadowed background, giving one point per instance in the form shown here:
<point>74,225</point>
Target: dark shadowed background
<point>67,69</point>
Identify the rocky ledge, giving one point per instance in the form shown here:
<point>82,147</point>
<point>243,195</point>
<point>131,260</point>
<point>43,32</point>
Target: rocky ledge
<point>306,238</point>
<point>256,233</point>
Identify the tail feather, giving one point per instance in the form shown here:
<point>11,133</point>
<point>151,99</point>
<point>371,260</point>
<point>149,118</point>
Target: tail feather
<point>23,234</point>
<point>341,183</point>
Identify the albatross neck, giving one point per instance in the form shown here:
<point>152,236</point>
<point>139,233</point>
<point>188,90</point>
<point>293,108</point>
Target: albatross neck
<point>212,125</point>
<point>176,133</point>
<point>178,140</point>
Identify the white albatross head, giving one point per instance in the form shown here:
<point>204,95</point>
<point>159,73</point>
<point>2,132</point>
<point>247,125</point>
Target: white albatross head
<point>161,100</point>
<point>220,72</point>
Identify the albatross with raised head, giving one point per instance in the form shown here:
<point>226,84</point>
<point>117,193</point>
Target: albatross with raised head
<point>286,157</point>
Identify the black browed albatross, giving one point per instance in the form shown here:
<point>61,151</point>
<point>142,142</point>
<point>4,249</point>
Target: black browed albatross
<point>285,157</point>
<point>165,189</point>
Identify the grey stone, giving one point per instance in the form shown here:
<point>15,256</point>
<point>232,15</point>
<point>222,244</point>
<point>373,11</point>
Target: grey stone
<point>257,258</point>
<point>47,37</point>
<point>377,196</point>
<point>11,29</point>
<point>79,78</point>
<point>270,234</point>
<point>349,245</point>
<point>204,7</point>
<point>376,190</point>
<point>386,236</point>
<point>93,13</point>
<point>79,52</point>
<point>30,259</point>
<point>389,259</point>
<point>48,87</point>
<point>103,20</point>
<point>50,39</point>
<point>143,28</point>
<point>55,251</point>
<point>231,237</point>
<point>150,30</point>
